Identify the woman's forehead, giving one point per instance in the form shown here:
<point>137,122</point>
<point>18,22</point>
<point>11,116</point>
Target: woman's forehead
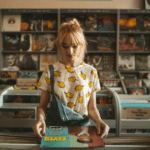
<point>69,40</point>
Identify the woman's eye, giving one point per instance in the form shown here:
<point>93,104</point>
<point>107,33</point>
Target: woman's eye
<point>64,46</point>
<point>74,46</point>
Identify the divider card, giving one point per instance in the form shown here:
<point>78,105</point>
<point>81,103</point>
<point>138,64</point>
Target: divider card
<point>66,137</point>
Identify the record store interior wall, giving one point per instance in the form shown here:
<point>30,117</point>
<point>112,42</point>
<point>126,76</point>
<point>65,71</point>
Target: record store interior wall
<point>97,4</point>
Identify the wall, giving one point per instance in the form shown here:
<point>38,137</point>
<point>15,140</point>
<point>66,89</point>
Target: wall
<point>97,4</point>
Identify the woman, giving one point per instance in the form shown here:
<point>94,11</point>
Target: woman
<point>76,82</point>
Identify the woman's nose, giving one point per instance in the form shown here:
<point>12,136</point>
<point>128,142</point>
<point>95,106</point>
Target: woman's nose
<point>70,50</point>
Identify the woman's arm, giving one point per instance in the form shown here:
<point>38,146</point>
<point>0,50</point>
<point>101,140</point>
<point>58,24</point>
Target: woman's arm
<point>95,115</point>
<point>41,111</point>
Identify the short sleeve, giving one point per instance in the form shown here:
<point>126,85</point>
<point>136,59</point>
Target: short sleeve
<point>44,82</point>
<point>96,82</point>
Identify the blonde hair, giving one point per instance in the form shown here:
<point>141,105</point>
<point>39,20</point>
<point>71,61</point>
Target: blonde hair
<point>73,29</point>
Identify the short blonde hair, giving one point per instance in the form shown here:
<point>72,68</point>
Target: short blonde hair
<point>73,29</point>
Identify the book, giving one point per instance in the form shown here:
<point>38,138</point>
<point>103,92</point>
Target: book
<point>26,82</point>
<point>26,42</point>
<point>136,90</point>
<point>95,60</point>
<point>10,62</point>
<point>28,61</point>
<point>109,62</point>
<point>90,22</point>
<point>142,62</point>
<point>11,22</point>
<point>69,137</point>
<point>132,83</point>
<point>27,74</point>
<point>126,62</point>
<point>11,42</point>
<point>91,43</point>
<point>49,22</point>
<point>106,22</point>
<point>50,42</point>
<point>8,74</point>
<point>38,42</point>
<point>46,60</point>
<point>108,75</point>
<point>106,42</point>
<point>20,99</point>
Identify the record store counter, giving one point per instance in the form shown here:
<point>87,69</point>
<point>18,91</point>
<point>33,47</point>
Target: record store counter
<point>111,143</point>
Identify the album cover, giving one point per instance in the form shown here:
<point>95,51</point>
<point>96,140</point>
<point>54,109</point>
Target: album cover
<point>8,74</point>
<point>148,90</point>
<point>109,62</point>
<point>146,82</point>
<point>49,22</point>
<point>90,22</point>
<point>106,112</point>
<point>36,23</point>
<point>108,75</point>
<point>118,90</point>
<point>26,82</point>
<point>71,137</point>
<point>7,81</point>
<point>106,22</point>
<point>136,90</point>
<point>11,42</point>
<point>28,61</point>
<point>131,23</point>
<point>50,42</point>
<point>17,113</point>
<point>110,83</point>
<point>11,22</point>
<point>20,99</point>
<point>27,74</point>
<point>144,75</point>
<point>26,21</point>
<point>38,42</point>
<point>147,23</point>
<point>126,62</point>
<point>106,42</point>
<point>91,43</point>
<point>95,60</point>
<point>102,100</point>
<point>26,42</point>
<point>10,62</point>
<point>147,43</point>
<point>140,43</point>
<point>46,60</point>
<point>132,83</point>
<point>142,62</point>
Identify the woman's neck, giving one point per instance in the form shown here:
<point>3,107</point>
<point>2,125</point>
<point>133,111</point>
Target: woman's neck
<point>74,63</point>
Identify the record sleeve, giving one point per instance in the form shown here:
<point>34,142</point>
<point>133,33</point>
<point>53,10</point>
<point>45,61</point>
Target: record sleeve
<point>11,62</point>
<point>26,21</point>
<point>95,61</point>
<point>110,83</point>
<point>142,62</point>
<point>136,90</point>
<point>26,42</point>
<point>28,61</point>
<point>46,60</point>
<point>91,43</point>
<point>144,75</point>
<point>36,23</point>
<point>71,137</point>
<point>147,43</point>
<point>106,22</point>
<point>126,62</point>
<point>8,74</point>
<point>11,22</point>
<point>146,82</point>
<point>11,42</point>
<point>49,22</point>
<point>132,83</point>
<point>108,75</point>
<point>91,22</point>
<point>102,100</point>
<point>50,42</point>
<point>106,42</point>
<point>147,23</point>
<point>109,62</point>
<point>38,42</point>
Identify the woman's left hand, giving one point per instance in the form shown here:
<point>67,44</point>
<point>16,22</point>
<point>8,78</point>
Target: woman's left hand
<point>101,126</point>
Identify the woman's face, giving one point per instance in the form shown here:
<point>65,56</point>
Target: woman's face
<point>11,60</point>
<point>50,42</point>
<point>70,51</point>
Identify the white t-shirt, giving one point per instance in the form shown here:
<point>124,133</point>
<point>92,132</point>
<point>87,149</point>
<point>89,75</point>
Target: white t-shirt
<point>72,85</point>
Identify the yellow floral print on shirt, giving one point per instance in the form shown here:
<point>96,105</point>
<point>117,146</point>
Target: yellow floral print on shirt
<point>93,72</point>
<point>61,84</point>
<point>39,84</point>
<point>80,99</point>
<point>78,87</point>
<point>69,95</point>
<point>48,81</point>
<point>88,95</point>
<point>96,76</point>
<point>83,76</point>
<point>72,79</point>
<point>69,69</point>
<point>70,104</point>
<point>57,73</point>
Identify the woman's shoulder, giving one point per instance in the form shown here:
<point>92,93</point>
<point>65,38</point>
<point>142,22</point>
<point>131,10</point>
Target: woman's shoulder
<point>88,66</point>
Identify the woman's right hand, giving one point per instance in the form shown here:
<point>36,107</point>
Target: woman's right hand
<point>38,127</point>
